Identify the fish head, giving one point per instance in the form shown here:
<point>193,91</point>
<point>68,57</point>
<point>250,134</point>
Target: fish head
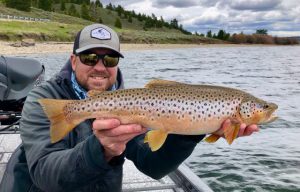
<point>257,111</point>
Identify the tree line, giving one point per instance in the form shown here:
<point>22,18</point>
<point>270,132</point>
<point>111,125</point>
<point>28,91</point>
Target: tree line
<point>261,36</point>
<point>88,11</point>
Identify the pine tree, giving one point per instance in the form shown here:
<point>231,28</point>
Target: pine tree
<point>62,5</point>
<point>118,23</point>
<point>72,11</point>
<point>129,19</point>
<point>174,23</point>
<point>19,4</point>
<point>85,12</point>
<point>100,20</point>
<point>209,35</point>
<point>98,3</point>
<point>109,6</point>
<point>45,5</point>
<point>262,31</point>
<point>221,34</point>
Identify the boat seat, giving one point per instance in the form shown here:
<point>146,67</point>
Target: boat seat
<point>18,76</point>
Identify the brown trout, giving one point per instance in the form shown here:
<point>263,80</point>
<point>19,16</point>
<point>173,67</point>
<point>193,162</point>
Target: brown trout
<point>167,107</point>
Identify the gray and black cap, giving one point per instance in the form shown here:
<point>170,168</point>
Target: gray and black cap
<point>97,36</point>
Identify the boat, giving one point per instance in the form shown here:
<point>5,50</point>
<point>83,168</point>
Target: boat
<point>17,77</point>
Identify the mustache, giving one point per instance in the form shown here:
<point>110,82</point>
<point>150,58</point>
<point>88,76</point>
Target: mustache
<point>100,74</point>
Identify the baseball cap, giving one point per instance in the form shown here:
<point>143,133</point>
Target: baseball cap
<point>97,36</point>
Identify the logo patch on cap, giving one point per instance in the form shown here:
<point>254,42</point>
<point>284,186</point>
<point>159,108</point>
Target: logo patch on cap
<point>100,33</point>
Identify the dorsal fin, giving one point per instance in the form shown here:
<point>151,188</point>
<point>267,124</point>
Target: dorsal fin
<point>161,82</point>
<point>94,92</point>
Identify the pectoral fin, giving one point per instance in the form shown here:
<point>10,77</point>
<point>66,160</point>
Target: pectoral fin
<point>231,131</point>
<point>155,139</point>
<point>212,138</point>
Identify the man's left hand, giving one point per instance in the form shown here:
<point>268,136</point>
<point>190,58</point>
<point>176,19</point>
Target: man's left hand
<point>244,130</point>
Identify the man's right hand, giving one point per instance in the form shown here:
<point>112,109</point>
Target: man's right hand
<point>114,136</point>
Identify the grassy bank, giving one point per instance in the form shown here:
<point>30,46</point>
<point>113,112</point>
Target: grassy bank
<point>63,28</point>
<point>55,31</point>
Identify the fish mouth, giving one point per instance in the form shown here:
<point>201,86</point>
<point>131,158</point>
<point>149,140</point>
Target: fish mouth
<point>270,117</point>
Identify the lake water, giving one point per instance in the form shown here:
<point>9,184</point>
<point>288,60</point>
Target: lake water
<point>266,161</point>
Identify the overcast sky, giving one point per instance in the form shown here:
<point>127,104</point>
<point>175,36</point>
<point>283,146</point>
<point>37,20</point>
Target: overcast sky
<point>279,17</point>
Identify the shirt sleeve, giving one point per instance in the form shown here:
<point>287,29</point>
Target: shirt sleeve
<point>59,165</point>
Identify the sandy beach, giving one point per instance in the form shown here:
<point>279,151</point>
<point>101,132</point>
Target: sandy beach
<point>6,48</point>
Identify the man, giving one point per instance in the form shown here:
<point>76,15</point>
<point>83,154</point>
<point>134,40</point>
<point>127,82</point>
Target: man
<point>90,158</point>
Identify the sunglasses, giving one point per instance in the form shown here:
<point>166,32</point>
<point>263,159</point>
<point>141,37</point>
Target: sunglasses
<point>91,59</point>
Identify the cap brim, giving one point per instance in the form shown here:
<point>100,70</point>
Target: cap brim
<point>98,46</point>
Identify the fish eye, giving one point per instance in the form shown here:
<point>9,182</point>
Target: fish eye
<point>266,106</point>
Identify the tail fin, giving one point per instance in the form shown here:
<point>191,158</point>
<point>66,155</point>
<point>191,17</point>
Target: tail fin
<point>60,126</point>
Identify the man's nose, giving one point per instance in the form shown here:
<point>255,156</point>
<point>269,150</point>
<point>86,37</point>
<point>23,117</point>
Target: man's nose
<point>99,65</point>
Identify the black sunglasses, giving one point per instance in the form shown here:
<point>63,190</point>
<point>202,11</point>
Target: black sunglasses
<point>91,59</point>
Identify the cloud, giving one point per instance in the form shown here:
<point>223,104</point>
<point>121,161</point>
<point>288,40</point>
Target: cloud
<point>174,3</point>
<point>254,5</point>
<point>208,3</point>
<point>277,16</point>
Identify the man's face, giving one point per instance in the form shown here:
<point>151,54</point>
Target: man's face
<point>96,77</point>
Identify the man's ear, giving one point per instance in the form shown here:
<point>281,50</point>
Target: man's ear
<point>73,61</point>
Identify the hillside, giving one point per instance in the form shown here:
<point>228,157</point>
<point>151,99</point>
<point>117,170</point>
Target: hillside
<point>62,27</point>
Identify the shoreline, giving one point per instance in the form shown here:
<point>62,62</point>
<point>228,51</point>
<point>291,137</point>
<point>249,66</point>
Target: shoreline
<point>67,47</point>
